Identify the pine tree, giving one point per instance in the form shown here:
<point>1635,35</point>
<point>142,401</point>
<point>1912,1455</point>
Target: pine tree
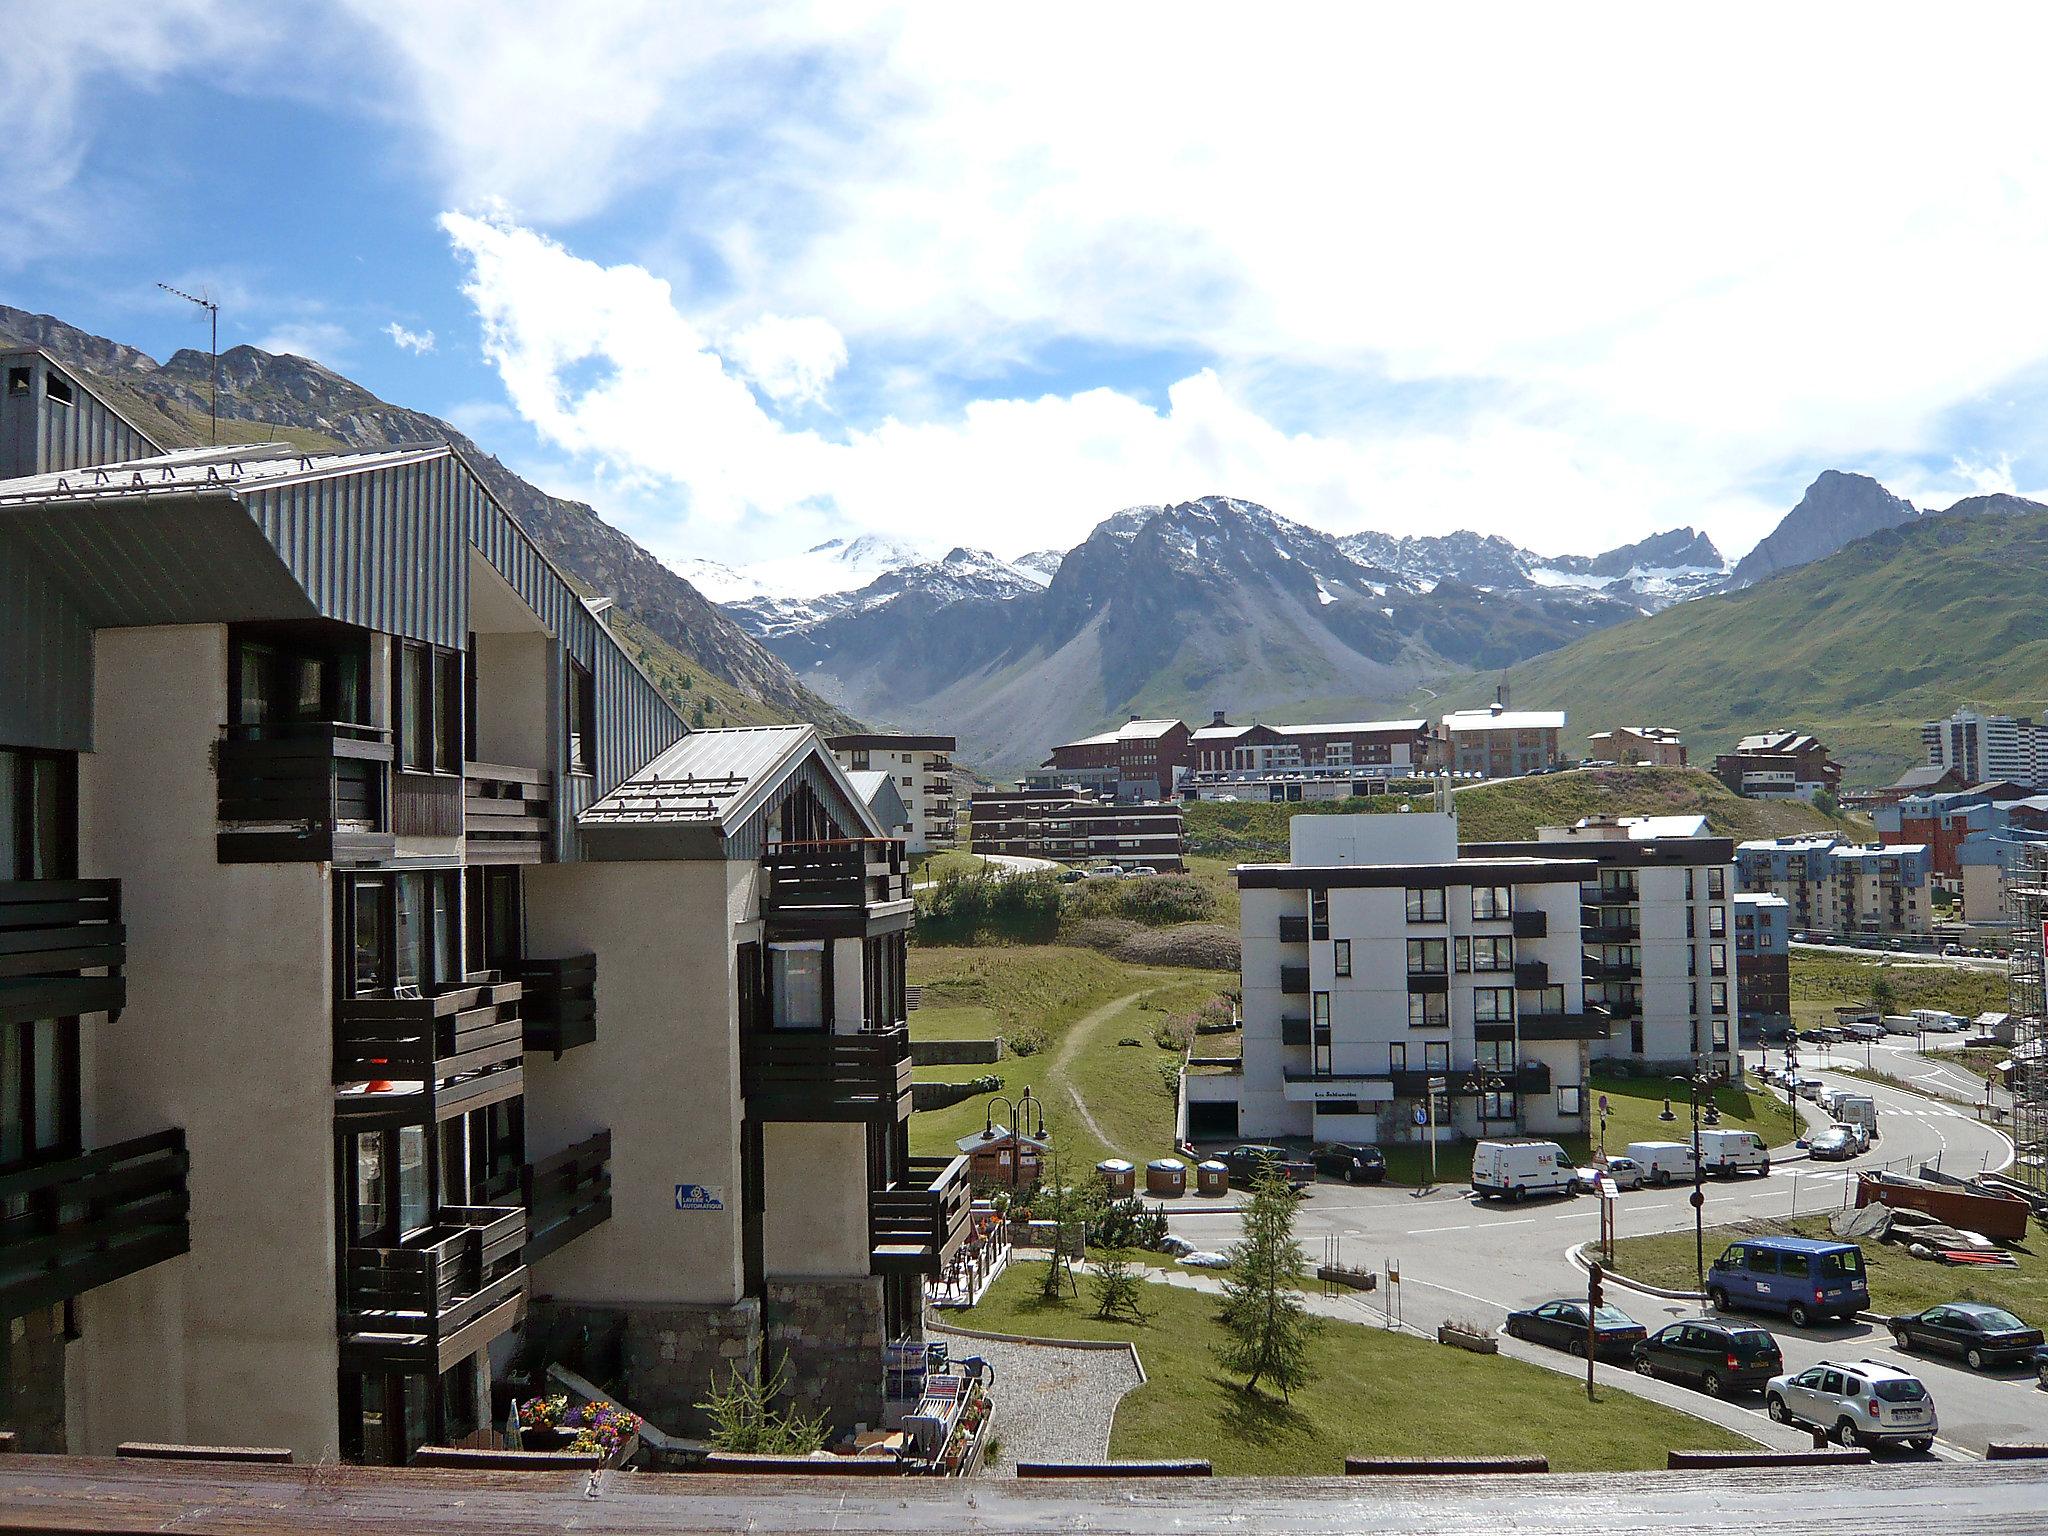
<point>1267,1330</point>
<point>1052,1201</point>
<point>1115,1283</point>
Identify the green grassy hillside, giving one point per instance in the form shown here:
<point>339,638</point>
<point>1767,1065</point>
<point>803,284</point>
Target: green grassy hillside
<point>1859,648</point>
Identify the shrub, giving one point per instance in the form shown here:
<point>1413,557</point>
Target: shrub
<point>743,1418</point>
<point>1155,901</point>
<point>1200,946</point>
<point>1174,1034</point>
<point>988,903</point>
<point>1107,934</point>
<point>1126,1223</point>
<point>1027,1041</point>
<point>1218,1016</point>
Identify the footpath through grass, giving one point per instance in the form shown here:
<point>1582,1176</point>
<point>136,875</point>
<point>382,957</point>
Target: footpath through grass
<point>1898,1281</point>
<point>1378,1394</point>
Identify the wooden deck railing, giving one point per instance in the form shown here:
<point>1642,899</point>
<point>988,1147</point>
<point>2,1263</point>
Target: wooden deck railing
<point>303,791</point>
<point>918,1222</point>
<point>462,1043</point>
<point>506,814</point>
<point>51,933</point>
<point>561,1002</point>
<point>850,872</point>
<point>567,1194</point>
<point>85,1220</point>
<point>789,1074</point>
<point>428,1303</point>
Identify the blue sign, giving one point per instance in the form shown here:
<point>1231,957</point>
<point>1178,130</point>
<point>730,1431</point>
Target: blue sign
<point>700,1197</point>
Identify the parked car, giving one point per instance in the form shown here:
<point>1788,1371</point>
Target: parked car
<point>1820,1034</point>
<point>1804,1277</point>
<point>1835,1144</point>
<point>1863,1029</point>
<point>1349,1161</point>
<point>2041,1365</point>
<point>1859,1110</point>
<point>1725,1153</point>
<point>1141,869</point>
<point>1979,1334</point>
<point>1626,1172</point>
<point>1249,1163</point>
<point>1807,1087</point>
<point>1859,1138</point>
<point>1562,1325</point>
<point>1716,1357</point>
<point>1859,1402</point>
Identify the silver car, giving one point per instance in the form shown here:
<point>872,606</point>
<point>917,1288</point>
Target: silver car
<point>1859,1402</point>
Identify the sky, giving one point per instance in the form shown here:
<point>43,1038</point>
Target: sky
<point>751,277</point>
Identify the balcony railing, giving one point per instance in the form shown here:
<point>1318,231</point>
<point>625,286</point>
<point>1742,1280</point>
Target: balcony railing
<point>567,1194</point>
<point>397,1059</point>
<point>505,814</point>
<point>1533,923</point>
<point>1293,930</point>
<point>312,791</point>
<point>1595,929</point>
<point>1592,1024</point>
<point>51,933</point>
<point>790,1074</point>
<point>1294,1031</point>
<point>70,1225</point>
<point>917,1224</point>
<point>561,1002</point>
<point>436,1300</point>
<point>1532,975</point>
<point>834,888</point>
<point>1294,979</point>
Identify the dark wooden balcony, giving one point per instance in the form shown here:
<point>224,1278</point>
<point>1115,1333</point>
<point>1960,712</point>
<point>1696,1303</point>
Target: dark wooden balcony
<point>82,1221</point>
<point>52,934</point>
<point>426,804</point>
<point>438,1299</point>
<point>566,1195</point>
<point>561,1002</point>
<point>433,1056</point>
<point>1294,979</point>
<point>303,792</point>
<point>1532,924</point>
<point>834,889</point>
<point>1596,927</point>
<point>1293,930</point>
<point>506,814</point>
<point>1532,975</point>
<point>1294,1031</point>
<point>918,1223</point>
<point>792,1074</point>
<point>1596,969</point>
<point>1594,1023</point>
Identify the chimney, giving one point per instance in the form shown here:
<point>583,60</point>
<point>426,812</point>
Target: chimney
<point>1216,718</point>
<point>1134,719</point>
<point>1500,695</point>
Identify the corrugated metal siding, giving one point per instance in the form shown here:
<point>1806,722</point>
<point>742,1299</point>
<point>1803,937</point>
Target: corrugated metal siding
<point>41,436</point>
<point>46,664</point>
<point>747,841</point>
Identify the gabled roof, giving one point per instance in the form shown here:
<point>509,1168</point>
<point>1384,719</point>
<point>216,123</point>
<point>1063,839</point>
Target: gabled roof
<point>878,792</point>
<point>1926,776</point>
<point>1495,718</point>
<point>227,469</point>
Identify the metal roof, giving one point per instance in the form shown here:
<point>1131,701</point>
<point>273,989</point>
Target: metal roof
<point>1497,719</point>
<point>190,471</point>
<point>704,778</point>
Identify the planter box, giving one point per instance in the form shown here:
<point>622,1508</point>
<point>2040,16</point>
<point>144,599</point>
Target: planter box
<point>1477,1343</point>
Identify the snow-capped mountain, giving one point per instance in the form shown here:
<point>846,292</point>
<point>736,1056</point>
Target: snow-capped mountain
<point>957,575</point>
<point>1648,575</point>
<point>837,565</point>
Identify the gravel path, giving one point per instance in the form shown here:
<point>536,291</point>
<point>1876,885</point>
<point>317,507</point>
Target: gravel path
<point>1052,1404</point>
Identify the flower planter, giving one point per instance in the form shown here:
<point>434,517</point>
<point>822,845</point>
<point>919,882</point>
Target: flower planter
<point>543,1440</point>
<point>1477,1343</point>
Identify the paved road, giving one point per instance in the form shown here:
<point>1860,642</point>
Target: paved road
<point>1905,956</point>
<point>1460,1257</point>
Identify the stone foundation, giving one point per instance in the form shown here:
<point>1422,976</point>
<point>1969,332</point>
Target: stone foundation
<point>832,1333</point>
<point>32,1369</point>
<point>670,1355</point>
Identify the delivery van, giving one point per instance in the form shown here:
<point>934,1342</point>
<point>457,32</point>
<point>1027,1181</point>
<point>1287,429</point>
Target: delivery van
<point>1859,1110</point>
<point>1664,1162</point>
<point>1726,1153</point>
<point>1515,1168</point>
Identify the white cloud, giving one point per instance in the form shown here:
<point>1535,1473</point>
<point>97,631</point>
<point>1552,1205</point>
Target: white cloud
<point>1988,478</point>
<point>790,361</point>
<point>415,342</point>
<point>321,340</point>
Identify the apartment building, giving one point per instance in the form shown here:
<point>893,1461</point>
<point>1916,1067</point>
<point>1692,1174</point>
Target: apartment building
<point>1779,765</point>
<point>1501,743</point>
<point>1833,886</point>
<point>1220,751</point>
<point>1927,779</point>
<point>1656,746</point>
<point>1380,957</point>
<point>1654,925</point>
<point>1074,828</point>
<point>1139,760</point>
<point>1990,861</point>
<point>922,768</point>
<point>388,975</point>
<point>1763,960</point>
<point>1980,747</point>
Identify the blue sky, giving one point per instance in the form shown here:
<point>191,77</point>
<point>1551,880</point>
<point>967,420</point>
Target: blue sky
<point>750,277</point>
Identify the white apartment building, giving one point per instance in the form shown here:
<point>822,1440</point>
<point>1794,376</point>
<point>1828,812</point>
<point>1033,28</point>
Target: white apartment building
<point>1380,957</point>
<point>1984,748</point>
<point>922,767</point>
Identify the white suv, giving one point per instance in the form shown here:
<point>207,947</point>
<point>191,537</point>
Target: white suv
<point>1860,1402</point>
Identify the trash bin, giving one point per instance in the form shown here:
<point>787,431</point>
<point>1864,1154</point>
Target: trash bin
<point>1166,1176</point>
<point>1211,1178</point>
<point>1119,1175</point>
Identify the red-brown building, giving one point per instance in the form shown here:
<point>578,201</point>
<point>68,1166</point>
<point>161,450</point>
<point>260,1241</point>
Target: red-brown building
<point>1340,748</point>
<point>1779,765</point>
<point>1137,760</point>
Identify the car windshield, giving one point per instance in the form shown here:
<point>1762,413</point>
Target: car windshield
<point>1614,1317</point>
<point>1998,1320</point>
<point>1903,1389</point>
<point>1843,1261</point>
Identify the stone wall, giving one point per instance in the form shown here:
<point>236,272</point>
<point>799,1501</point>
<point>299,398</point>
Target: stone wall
<point>831,1331</point>
<point>32,1369</point>
<point>668,1356</point>
<point>955,1053</point>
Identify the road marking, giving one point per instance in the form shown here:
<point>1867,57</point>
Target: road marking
<point>1420,1231</point>
<point>1525,1221</point>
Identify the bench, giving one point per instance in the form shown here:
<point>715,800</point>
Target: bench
<point>146,1450</point>
<point>1441,1466</point>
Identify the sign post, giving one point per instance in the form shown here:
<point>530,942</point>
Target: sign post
<point>1436,1086</point>
<point>1595,1295</point>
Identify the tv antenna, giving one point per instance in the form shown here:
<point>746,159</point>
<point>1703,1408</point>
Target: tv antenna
<point>213,321</point>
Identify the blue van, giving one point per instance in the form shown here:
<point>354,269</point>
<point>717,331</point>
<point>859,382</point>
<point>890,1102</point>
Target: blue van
<point>1806,1279</point>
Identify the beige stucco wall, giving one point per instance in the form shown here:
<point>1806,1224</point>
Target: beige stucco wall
<point>814,1222</point>
<point>512,717</point>
<point>228,1033</point>
<point>663,1073</point>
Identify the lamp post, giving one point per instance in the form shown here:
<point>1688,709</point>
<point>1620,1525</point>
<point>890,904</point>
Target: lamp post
<point>1704,1075</point>
<point>1485,1080</point>
<point>1023,1111</point>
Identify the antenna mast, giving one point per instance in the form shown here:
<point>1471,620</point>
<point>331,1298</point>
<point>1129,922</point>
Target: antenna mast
<point>213,320</point>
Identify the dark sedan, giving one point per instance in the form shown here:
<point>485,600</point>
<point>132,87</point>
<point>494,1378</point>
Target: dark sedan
<point>1562,1325</point>
<point>2041,1365</point>
<point>1718,1358</point>
<point>1253,1161</point>
<point>1980,1334</point>
<point>1832,1144</point>
<point>1352,1163</point>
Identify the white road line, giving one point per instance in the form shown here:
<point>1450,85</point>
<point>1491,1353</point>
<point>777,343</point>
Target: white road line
<point>1420,1231</point>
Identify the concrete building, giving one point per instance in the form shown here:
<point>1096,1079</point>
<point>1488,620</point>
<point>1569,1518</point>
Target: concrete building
<point>1654,926</point>
<point>1379,957</point>
<point>1071,828</point>
<point>1352,749</point>
<point>1981,747</point>
<point>922,768</point>
<point>1502,743</point>
<point>1763,960</point>
<point>387,973</point>
<point>1779,765</point>
<point>1656,746</point>
<point>1836,887</point>
<point>878,792</point>
<point>1926,779</point>
<point>1139,760</point>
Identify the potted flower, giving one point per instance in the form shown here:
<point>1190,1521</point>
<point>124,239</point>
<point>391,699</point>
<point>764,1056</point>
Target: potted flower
<point>1461,1334</point>
<point>541,1423</point>
<point>602,1430</point>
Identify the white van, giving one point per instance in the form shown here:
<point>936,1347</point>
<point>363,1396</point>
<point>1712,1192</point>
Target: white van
<point>1521,1167</point>
<point>1859,1110</point>
<point>1664,1161</point>
<point>1902,1024</point>
<point>1726,1153</point>
<point>1938,1021</point>
<point>1862,1029</point>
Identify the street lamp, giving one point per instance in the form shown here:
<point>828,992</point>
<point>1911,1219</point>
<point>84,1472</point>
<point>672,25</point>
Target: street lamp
<point>1024,1112</point>
<point>1704,1075</point>
<point>1485,1080</point>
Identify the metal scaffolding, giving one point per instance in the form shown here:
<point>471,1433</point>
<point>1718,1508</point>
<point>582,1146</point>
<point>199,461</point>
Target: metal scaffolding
<point>2027,998</point>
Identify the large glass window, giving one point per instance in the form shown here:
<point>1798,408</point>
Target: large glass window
<point>1428,1010</point>
<point>1342,958</point>
<point>1493,954</point>
<point>582,722</point>
<point>1426,957</point>
<point>1492,901</point>
<point>287,675</point>
<point>797,982</point>
<point>1493,1005</point>
<point>1425,906</point>
<point>427,705</point>
<point>404,932</point>
<point>38,815</point>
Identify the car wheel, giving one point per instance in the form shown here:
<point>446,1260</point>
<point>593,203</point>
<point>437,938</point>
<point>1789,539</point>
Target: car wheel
<point>1660,1178</point>
<point>1717,1299</point>
<point>1711,1384</point>
<point>1644,1368</point>
<point>1846,1432</point>
<point>1774,1405</point>
<point>1517,1195</point>
<point>1901,1339</point>
<point>2041,1373</point>
<point>1921,1443</point>
<point>1974,1359</point>
<point>1576,1347</point>
<point>1799,1314</point>
<point>1350,1175</point>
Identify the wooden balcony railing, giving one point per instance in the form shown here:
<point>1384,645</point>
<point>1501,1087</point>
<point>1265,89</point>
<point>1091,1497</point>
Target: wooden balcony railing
<point>458,1048</point>
<point>305,791</point>
<point>1293,979</point>
<point>1532,923</point>
<point>70,1225</point>
<point>917,1224</point>
<point>506,814</point>
<point>567,1194</point>
<point>561,1002</point>
<point>436,1300</point>
<point>789,1074</point>
<point>833,888</point>
<point>1293,930</point>
<point>52,932</point>
<point>1532,975</point>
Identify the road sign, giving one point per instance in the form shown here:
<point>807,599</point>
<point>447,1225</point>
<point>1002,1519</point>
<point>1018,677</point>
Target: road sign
<point>700,1197</point>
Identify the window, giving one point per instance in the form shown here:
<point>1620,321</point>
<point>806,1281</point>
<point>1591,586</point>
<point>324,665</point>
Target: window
<point>402,930</point>
<point>426,707</point>
<point>1397,1056</point>
<point>39,1092</point>
<point>283,676</point>
<point>582,702</point>
<point>1461,955</point>
<point>1495,1055</point>
<point>1492,901</point>
<point>799,981</point>
<point>1688,885</point>
<point>1571,1100</point>
<point>1425,906</point>
<point>1319,914</point>
<point>1717,996</point>
<point>1496,1106</point>
<point>495,911</point>
<point>1717,921</point>
<point>1436,1056</point>
<point>1717,958</point>
<point>1321,1034</point>
<point>1428,1010</point>
<point>1493,954</point>
<point>1717,884</point>
<point>57,387</point>
<point>390,1177</point>
<point>1342,957</point>
<point>1550,1000</point>
<point>38,815</point>
<point>1493,1005</point>
<point>1425,957</point>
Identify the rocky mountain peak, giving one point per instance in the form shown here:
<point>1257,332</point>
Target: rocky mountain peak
<point>1838,508</point>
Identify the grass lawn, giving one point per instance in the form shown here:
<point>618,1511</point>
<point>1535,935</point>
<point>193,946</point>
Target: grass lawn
<point>1379,1394</point>
<point>1898,1281</point>
<point>933,866</point>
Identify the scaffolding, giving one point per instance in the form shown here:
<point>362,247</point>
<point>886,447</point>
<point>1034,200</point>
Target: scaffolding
<point>2027,999</point>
